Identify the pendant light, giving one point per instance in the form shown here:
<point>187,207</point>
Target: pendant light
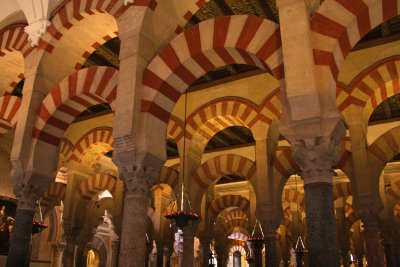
<point>37,227</point>
<point>182,216</point>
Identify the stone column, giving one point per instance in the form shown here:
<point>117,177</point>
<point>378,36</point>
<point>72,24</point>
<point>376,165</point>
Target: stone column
<point>160,256</point>
<point>205,251</point>
<point>58,250</point>
<point>257,250</point>
<point>70,236</point>
<point>237,259</point>
<point>316,157</point>
<point>388,244</point>
<point>372,238</point>
<point>18,254</point>
<point>138,180</point>
<point>344,237</point>
<point>269,228</point>
<point>114,248</point>
<point>189,232</point>
<point>81,254</point>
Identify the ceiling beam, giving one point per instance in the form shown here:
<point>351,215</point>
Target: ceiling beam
<point>224,7</point>
<point>266,8</point>
<point>387,109</point>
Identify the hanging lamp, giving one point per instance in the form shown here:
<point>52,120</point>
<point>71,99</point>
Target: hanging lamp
<point>257,241</point>
<point>37,227</point>
<point>182,216</point>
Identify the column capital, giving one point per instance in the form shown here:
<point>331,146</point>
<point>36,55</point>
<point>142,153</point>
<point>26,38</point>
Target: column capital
<point>28,193</point>
<point>316,156</point>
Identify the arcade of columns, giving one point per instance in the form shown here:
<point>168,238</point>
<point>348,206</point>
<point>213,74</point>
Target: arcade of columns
<point>308,112</point>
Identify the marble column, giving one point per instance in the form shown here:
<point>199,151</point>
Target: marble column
<point>237,259</point>
<point>189,232</point>
<point>81,254</point>
<point>205,251</point>
<point>70,236</point>
<point>388,244</point>
<point>271,259</point>
<point>344,237</point>
<point>257,250</point>
<point>316,157</point>
<point>58,251</point>
<point>220,261</point>
<point>372,238</point>
<point>18,254</point>
<point>269,226</point>
<point>160,256</point>
<point>134,223</point>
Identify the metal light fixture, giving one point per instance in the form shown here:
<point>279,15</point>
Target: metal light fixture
<point>37,227</point>
<point>182,217</point>
<point>211,259</point>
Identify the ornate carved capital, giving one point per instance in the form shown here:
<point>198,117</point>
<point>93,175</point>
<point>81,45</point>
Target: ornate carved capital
<point>36,29</point>
<point>316,156</point>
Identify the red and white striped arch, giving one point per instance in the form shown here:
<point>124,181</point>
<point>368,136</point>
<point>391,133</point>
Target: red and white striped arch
<point>271,107</point>
<point>9,106</point>
<point>220,114</point>
<point>73,95</point>
<point>287,223</point>
<point>169,176</point>
<point>227,226</point>
<point>386,146</point>
<point>101,136</point>
<point>175,129</point>
<point>236,214</point>
<point>239,235</point>
<point>239,39</point>
<point>221,165</point>
<point>344,152</point>
<point>290,195</point>
<point>371,87</point>
<point>351,216</point>
<point>96,184</point>
<point>14,47</point>
<point>72,12</point>
<point>284,164</point>
<point>341,190</point>
<point>238,246</point>
<point>338,25</point>
<point>394,190</point>
<point>54,194</point>
<point>227,201</point>
<point>66,151</point>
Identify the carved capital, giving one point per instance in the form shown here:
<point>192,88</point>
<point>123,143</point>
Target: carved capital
<point>138,181</point>
<point>316,156</point>
<point>36,29</point>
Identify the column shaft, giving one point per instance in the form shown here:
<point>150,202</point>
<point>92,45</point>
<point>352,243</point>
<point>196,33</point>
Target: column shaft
<point>69,254</point>
<point>258,256</point>
<point>160,257</point>
<point>133,236</point>
<point>271,259</point>
<point>205,251</point>
<point>390,254</point>
<point>188,245</point>
<point>18,254</point>
<point>372,242</point>
<point>322,239</point>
